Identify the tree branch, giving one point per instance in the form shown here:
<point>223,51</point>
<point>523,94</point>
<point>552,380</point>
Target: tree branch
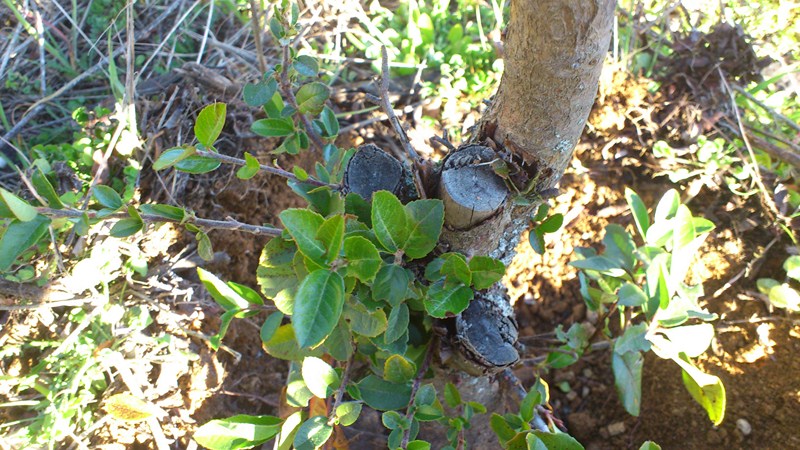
<point>229,224</point>
<point>265,168</point>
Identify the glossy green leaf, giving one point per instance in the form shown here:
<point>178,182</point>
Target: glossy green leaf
<point>667,206</point>
<point>283,345</point>
<point>501,428</point>
<point>272,127</point>
<point>306,65</point>
<point>313,433</point>
<point>639,210</point>
<point>126,227</point>
<point>330,122</point>
<point>455,269</point>
<point>363,259</point>
<point>792,267</point>
<point>285,439</point>
<point>364,322</point>
<point>649,445</point>
<point>221,292</point>
<point>204,246</point>
<point>628,379</point>
<point>536,240</point>
<point>241,431</point>
<point>706,389</point>
<point>172,156</point>
<point>18,237</point>
<point>107,197</point>
<point>270,326</point>
<point>398,369</point>
<point>318,306</point>
<point>45,189</point>
<point>209,123</point>
<point>784,296</point>
<point>486,271</point>
<point>197,164</point>
<point>347,413</point>
<point>382,395</point>
<point>451,395</point>
<point>258,94</point>
<point>552,224</point>
<point>633,339</point>
<point>425,220</point>
<point>398,323</point>
<point>691,340</point>
<point>331,234</point>
<point>164,211</point>
<point>619,246</point>
<point>631,295</point>
<point>319,377</point>
<point>276,275</point>
<point>250,169</point>
<point>389,221</point>
<point>600,264</point>
<point>391,284</point>
<point>297,393</point>
<point>551,441</point>
<point>441,302</point>
<point>311,97</point>
<point>17,207</point>
<point>303,225</point>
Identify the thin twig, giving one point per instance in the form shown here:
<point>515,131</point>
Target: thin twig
<point>265,168</point>
<point>766,108</point>
<point>337,400</point>
<point>426,363</point>
<point>205,32</point>
<point>40,41</point>
<point>255,21</point>
<point>285,85</point>
<point>416,161</point>
<point>228,224</point>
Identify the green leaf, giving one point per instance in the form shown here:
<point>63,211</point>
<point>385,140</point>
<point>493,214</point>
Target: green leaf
<point>364,322</point>
<point>691,340</point>
<point>209,123</point>
<point>306,65</point>
<point>383,395</point>
<point>392,420</point>
<point>398,369</point>
<point>172,156</point>
<point>318,306</point>
<point>389,221</point>
<point>319,376</point>
<point>258,94</point>
<point>418,445</point>
<point>536,240</point>
<point>619,246</point>
<point>273,127</point>
<point>285,438</point>
<point>13,206</point>
<point>357,206</point>
<point>164,211</point>
<point>311,97</point>
<point>784,296</point>
<point>270,326</point>
<point>330,122</point>
<point>633,339</point>
<point>451,395</point>
<point>276,275</point>
<point>391,284</point>
<point>600,264</point>
<point>541,212</point>
<point>440,301</point>
<point>707,390</point>
<point>107,197</point>
<point>250,169</point>
<point>348,412</point>
<point>639,210</point>
<point>502,429</point>
<point>283,345</point>
<point>486,271</point>
<point>628,379</point>
<point>552,441</point>
<point>667,206</point>
<point>197,164</point>
<point>301,174</point>
<point>398,323</point>
<point>331,233</point>
<point>18,237</point>
<point>339,344</point>
<point>455,268</point>
<point>297,393</point>
<point>425,219</point>
<point>45,189</point>
<point>650,445</point>
<point>241,431</point>
<point>313,433</point>
<point>792,267</point>
<point>126,227</point>
<point>552,224</point>
<point>363,259</point>
<point>221,292</point>
<point>303,225</point>
<point>631,295</point>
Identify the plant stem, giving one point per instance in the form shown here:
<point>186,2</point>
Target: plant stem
<point>228,224</point>
<point>426,363</point>
<point>286,89</point>
<point>337,400</point>
<point>265,168</point>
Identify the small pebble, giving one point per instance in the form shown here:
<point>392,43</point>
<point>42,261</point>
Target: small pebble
<point>585,391</point>
<point>744,426</point>
<point>588,373</point>
<point>572,395</point>
<point>616,428</point>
